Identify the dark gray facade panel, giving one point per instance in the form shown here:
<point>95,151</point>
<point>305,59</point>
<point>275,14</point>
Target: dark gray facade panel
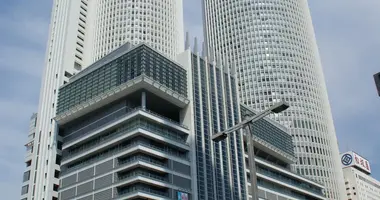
<point>104,167</point>
<point>86,174</point>
<point>68,194</point>
<point>87,198</point>
<point>85,188</point>
<point>103,182</point>
<point>181,182</point>
<point>271,196</point>
<point>260,194</point>
<point>282,198</point>
<point>104,195</point>
<point>182,168</point>
<point>68,181</point>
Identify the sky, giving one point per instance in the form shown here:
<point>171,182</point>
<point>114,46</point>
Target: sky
<point>348,36</point>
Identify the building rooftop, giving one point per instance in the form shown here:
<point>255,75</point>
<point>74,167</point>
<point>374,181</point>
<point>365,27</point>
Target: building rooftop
<point>118,74</point>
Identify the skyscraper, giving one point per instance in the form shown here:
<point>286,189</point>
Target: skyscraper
<point>124,123</point>
<point>219,173</point>
<point>82,32</point>
<point>273,45</point>
<point>137,125</point>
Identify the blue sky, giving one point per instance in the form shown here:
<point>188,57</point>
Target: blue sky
<point>348,35</point>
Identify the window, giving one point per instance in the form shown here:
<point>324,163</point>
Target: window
<point>80,58</point>
<point>55,187</point>
<point>77,66</point>
<point>81,45</point>
<point>67,74</point>
<point>80,51</point>
<point>26,176</point>
<point>56,174</point>
<point>59,145</point>
<point>58,159</point>
<point>24,189</point>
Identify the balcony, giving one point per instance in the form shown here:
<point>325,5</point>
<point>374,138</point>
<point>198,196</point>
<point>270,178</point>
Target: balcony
<point>135,190</point>
<point>131,126</point>
<point>283,179</point>
<point>142,158</point>
<point>143,173</point>
<point>284,191</point>
<point>120,149</point>
<point>288,171</point>
<point>112,118</point>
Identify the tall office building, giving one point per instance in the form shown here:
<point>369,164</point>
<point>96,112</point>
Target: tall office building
<point>272,43</point>
<point>137,125</point>
<point>81,32</point>
<point>219,167</point>
<point>125,129</point>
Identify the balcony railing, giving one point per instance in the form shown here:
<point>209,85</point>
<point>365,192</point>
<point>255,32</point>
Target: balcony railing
<point>142,174</point>
<point>111,118</point>
<point>143,159</point>
<point>286,169</point>
<point>119,149</point>
<point>142,189</point>
<point>132,126</point>
<point>289,181</point>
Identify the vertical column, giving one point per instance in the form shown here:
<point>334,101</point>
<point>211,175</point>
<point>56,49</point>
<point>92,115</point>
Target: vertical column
<point>143,100</point>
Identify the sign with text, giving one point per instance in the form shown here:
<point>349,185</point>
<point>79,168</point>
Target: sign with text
<point>351,159</point>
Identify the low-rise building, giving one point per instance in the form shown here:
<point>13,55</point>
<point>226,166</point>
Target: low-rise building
<point>357,175</point>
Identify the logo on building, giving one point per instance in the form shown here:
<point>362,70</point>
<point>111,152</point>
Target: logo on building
<point>347,159</point>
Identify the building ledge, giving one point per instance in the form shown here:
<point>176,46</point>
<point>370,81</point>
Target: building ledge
<point>141,194</point>
<point>287,172</point>
<point>128,151</point>
<point>123,137</point>
<point>301,190</point>
<point>273,150</point>
<point>138,83</point>
<point>136,112</point>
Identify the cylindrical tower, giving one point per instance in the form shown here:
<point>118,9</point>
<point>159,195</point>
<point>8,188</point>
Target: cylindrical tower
<point>156,23</point>
<point>273,45</point>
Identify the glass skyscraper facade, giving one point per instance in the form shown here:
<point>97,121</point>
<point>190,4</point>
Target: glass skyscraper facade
<point>220,166</point>
<point>273,47</point>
